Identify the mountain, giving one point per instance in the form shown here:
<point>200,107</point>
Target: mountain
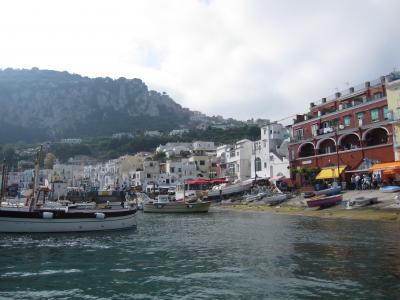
<point>41,104</point>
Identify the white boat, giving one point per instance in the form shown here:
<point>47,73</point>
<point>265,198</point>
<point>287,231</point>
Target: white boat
<point>360,202</point>
<point>275,199</point>
<point>226,189</point>
<point>57,220</point>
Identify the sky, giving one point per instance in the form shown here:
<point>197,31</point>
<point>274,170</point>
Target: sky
<point>236,58</point>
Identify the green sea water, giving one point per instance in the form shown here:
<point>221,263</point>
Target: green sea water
<point>219,255</point>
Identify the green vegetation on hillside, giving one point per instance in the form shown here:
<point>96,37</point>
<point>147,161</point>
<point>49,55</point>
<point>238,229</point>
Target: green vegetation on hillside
<point>105,148</point>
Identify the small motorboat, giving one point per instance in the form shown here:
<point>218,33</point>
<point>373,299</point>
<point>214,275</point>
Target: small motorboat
<point>275,199</point>
<point>360,202</point>
<point>390,189</point>
<point>324,201</point>
<point>335,190</point>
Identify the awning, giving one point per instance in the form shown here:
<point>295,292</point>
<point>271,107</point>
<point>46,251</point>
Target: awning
<point>390,167</point>
<point>277,178</point>
<point>329,173</point>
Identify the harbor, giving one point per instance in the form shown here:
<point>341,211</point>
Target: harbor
<point>219,255</point>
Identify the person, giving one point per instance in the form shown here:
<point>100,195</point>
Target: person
<point>353,182</point>
<point>374,182</point>
<point>358,181</point>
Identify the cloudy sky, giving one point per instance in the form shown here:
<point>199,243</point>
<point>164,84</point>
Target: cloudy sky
<point>237,58</point>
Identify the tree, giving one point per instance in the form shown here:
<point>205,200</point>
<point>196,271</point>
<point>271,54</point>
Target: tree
<point>49,160</point>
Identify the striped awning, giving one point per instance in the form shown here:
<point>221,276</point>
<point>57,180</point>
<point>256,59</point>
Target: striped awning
<point>331,172</point>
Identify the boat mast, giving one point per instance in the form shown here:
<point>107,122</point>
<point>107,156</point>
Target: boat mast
<point>3,173</point>
<point>36,179</point>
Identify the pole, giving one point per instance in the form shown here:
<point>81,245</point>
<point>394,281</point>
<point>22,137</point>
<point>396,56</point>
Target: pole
<point>2,180</point>
<point>337,155</point>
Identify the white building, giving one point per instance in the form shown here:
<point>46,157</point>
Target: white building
<point>238,160</point>
<point>71,141</point>
<point>270,154</point>
<point>174,149</point>
<point>149,174</point>
<point>152,133</point>
<point>176,132</point>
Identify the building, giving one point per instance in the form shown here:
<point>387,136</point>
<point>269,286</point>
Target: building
<point>238,160</point>
<point>178,132</point>
<point>152,133</point>
<point>393,99</point>
<point>270,154</point>
<point>345,130</point>
<point>71,141</point>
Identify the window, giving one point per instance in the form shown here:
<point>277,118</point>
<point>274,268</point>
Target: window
<point>172,170</point>
<point>299,133</point>
<point>314,129</point>
<point>374,115</point>
<point>258,164</point>
<point>378,95</point>
<point>265,131</point>
<point>148,175</point>
<point>237,153</point>
<point>202,163</point>
<point>265,165</point>
<point>385,113</point>
<point>360,118</point>
<point>151,164</point>
<point>179,170</point>
<point>346,121</point>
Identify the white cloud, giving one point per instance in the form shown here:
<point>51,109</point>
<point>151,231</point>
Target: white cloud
<point>242,59</point>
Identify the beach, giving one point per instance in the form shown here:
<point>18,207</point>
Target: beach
<point>385,210</point>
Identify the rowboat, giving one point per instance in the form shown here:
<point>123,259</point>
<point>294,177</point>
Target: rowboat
<point>324,201</point>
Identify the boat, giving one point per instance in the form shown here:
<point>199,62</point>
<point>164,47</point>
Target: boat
<point>390,189</point>
<point>324,201</point>
<point>360,202</point>
<point>335,190</point>
<point>37,215</point>
<point>275,199</point>
<point>189,203</point>
<point>177,207</point>
<point>225,190</point>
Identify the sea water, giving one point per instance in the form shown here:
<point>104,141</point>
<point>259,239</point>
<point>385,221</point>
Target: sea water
<point>219,255</point>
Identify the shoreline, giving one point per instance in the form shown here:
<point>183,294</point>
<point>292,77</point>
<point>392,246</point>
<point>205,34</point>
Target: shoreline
<point>335,212</point>
<point>382,211</point>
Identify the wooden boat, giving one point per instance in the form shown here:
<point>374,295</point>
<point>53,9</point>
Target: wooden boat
<point>360,202</point>
<point>390,189</point>
<point>324,201</point>
<point>176,207</point>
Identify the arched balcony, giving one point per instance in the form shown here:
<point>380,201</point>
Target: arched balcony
<point>326,146</point>
<point>349,141</point>
<point>306,150</point>
<point>376,136</point>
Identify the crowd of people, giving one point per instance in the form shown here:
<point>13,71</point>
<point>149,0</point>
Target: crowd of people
<point>365,181</point>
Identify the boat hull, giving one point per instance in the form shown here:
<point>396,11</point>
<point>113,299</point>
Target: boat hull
<point>176,207</point>
<point>325,201</point>
<point>236,189</point>
<point>25,222</point>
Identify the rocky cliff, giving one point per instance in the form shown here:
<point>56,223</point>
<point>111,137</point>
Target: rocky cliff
<point>39,104</point>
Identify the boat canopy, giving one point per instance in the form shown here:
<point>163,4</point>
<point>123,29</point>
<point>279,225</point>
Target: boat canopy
<point>330,172</point>
<point>387,168</point>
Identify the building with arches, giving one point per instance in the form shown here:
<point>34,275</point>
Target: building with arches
<point>344,129</point>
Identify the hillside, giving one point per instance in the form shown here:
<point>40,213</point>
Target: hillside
<point>37,105</point>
